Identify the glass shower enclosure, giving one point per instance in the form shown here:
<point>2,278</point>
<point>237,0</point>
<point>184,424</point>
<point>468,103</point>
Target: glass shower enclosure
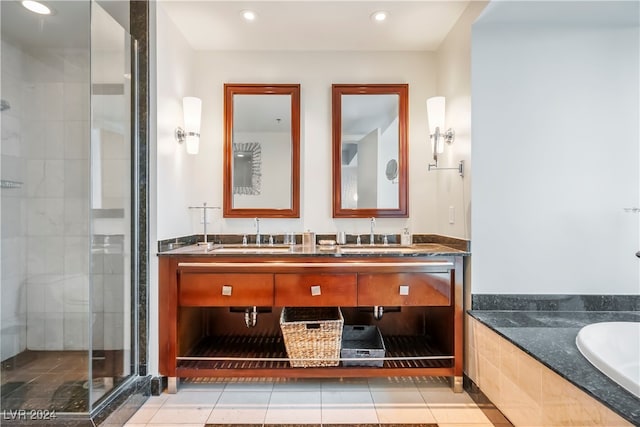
<point>68,212</point>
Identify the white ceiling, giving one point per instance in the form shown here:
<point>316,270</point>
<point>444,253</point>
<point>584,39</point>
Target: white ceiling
<point>314,25</point>
<point>68,27</point>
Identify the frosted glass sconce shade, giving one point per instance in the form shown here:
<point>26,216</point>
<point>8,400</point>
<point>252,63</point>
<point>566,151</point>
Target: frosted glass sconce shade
<point>192,111</point>
<point>435,113</point>
<point>435,116</point>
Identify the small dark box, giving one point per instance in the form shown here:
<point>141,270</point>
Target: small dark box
<point>363,343</point>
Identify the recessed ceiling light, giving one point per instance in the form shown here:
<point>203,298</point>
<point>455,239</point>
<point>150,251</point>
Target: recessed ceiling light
<point>249,15</point>
<point>379,16</point>
<point>37,7</point>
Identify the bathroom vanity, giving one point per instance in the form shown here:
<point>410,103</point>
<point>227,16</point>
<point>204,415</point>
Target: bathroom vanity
<point>220,308</point>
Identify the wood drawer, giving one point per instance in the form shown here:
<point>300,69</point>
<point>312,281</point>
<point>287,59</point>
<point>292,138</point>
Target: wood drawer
<point>315,290</point>
<point>217,289</point>
<point>404,289</point>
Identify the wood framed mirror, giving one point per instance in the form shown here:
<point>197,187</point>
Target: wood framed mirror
<point>261,151</point>
<point>369,139</point>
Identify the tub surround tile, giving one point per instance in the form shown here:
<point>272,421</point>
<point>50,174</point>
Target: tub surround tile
<point>548,338</point>
<point>561,404</point>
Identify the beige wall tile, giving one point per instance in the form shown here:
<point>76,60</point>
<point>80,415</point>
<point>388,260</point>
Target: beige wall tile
<point>508,359</point>
<point>529,376</point>
<point>527,392</point>
<point>489,379</point>
<point>470,353</point>
<point>519,408</point>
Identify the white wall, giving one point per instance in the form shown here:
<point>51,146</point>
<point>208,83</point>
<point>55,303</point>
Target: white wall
<point>171,170</point>
<point>555,150</point>
<point>454,83</point>
<point>315,71</point>
<point>177,171</point>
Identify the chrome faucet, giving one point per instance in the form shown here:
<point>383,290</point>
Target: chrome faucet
<point>257,221</point>
<point>371,235</point>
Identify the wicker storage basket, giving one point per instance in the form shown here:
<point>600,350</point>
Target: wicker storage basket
<point>312,335</point>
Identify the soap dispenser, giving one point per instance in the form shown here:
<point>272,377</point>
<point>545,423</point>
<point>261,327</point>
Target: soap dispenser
<point>405,237</point>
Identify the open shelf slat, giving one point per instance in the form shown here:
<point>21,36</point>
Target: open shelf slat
<point>233,352</point>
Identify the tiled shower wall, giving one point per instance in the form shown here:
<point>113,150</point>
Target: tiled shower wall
<point>13,238</point>
<point>45,223</point>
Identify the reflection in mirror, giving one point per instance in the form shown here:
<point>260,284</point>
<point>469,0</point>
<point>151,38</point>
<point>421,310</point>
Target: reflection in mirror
<point>392,170</point>
<point>370,150</point>
<point>247,158</point>
<point>262,151</point>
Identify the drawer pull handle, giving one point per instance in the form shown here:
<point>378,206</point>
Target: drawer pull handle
<point>226,290</point>
<point>315,290</point>
<point>404,290</point>
<point>313,325</point>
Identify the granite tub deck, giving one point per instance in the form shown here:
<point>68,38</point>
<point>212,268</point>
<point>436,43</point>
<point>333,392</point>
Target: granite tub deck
<point>550,337</point>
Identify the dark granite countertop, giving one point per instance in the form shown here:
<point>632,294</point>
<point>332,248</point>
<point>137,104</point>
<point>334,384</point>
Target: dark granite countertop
<point>422,244</point>
<point>391,250</point>
<point>550,338</point>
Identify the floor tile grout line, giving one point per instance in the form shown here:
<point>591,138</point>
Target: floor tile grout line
<point>375,409</point>
<point>264,419</point>
<point>422,396</point>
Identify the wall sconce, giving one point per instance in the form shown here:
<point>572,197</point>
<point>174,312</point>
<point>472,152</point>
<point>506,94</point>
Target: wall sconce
<point>435,115</point>
<point>192,110</point>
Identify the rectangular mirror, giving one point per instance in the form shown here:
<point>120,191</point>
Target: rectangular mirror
<point>370,150</point>
<point>262,151</point>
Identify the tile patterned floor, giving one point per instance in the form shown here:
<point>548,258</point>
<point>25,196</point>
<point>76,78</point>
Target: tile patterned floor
<point>46,380</point>
<point>390,402</point>
<point>52,380</point>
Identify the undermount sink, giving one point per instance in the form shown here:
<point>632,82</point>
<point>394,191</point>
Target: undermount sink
<point>251,249</point>
<point>364,249</point>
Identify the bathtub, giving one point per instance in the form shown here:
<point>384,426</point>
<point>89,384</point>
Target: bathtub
<point>614,348</point>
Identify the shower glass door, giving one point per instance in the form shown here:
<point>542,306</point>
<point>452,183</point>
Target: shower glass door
<point>45,240</point>
<point>113,217</point>
<point>67,211</point>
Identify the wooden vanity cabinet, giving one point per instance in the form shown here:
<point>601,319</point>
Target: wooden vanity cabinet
<point>315,290</point>
<point>224,290</point>
<point>205,301</point>
<point>404,289</point>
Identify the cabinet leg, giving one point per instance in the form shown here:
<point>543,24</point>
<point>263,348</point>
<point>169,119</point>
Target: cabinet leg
<point>172,385</point>
<point>457,384</point>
